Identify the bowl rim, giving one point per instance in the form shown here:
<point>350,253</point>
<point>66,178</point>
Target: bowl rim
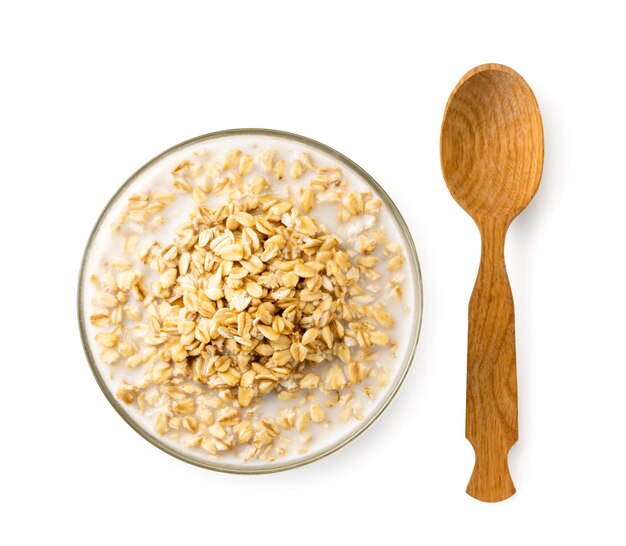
<point>389,394</point>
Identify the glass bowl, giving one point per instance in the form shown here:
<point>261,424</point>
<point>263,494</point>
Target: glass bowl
<point>402,364</point>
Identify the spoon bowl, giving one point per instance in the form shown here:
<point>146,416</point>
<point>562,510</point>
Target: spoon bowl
<point>492,142</point>
<point>492,158</point>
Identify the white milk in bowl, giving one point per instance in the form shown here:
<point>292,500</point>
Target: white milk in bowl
<point>250,300</point>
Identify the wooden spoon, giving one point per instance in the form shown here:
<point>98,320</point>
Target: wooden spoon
<point>491,158</point>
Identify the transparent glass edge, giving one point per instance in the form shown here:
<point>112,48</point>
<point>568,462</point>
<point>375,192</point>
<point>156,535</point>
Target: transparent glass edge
<point>390,395</point>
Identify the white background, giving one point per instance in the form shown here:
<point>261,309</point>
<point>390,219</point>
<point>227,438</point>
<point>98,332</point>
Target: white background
<point>91,91</point>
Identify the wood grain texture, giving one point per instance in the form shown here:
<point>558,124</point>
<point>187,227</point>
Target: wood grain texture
<point>492,158</point>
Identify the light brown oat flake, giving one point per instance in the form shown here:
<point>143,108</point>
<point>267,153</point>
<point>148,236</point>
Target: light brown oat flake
<point>99,319</point>
<point>395,263</point>
<point>308,200</point>
<point>297,170</point>
<point>302,421</point>
<point>161,424</point>
<point>317,413</point>
<point>266,160</point>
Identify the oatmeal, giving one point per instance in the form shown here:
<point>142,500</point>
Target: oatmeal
<point>249,299</point>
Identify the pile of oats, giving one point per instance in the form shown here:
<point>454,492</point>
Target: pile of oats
<point>251,298</point>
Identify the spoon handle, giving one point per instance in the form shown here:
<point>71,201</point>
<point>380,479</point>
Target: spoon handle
<point>491,404</point>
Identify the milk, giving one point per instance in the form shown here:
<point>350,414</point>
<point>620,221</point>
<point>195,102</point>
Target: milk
<point>326,436</point>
